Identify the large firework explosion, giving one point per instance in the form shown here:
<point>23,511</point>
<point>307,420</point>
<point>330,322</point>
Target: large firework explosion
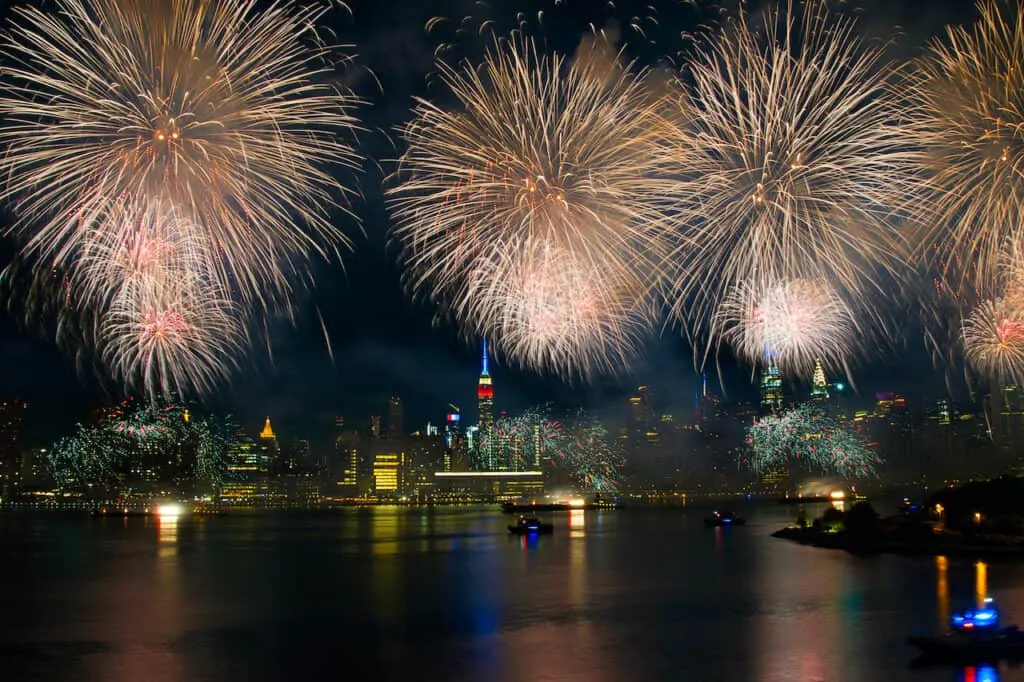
<point>216,122</point>
<point>807,437</point>
<point>544,156</point>
<point>966,106</point>
<point>135,446</point>
<point>791,158</point>
<point>796,322</point>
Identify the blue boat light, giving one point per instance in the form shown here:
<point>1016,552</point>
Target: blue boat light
<point>980,618</point>
<point>987,673</point>
<point>726,520</point>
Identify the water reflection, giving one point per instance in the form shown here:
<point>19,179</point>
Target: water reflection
<point>980,583</point>
<point>803,621</point>
<point>384,576</point>
<point>577,523</point>
<point>942,591</point>
<point>981,673</point>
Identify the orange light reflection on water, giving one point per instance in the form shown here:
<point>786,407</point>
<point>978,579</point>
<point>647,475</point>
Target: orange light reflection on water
<point>942,590</point>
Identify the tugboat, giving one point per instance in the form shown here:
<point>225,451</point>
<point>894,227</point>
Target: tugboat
<point>529,525</point>
<point>719,519</point>
<point>974,636</point>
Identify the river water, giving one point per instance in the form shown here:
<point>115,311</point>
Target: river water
<point>447,594</point>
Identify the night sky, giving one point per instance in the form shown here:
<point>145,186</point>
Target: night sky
<point>385,344</point>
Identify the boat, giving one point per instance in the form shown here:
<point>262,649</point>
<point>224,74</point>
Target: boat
<point>974,636</point>
<point>719,519</point>
<point>530,525</point>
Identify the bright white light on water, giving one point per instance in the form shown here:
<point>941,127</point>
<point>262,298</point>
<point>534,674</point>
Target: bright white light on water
<point>170,510</point>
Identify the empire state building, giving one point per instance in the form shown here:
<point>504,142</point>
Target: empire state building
<point>485,395</point>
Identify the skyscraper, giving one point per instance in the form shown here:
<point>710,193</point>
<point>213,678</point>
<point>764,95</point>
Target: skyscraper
<point>771,386</point>
<point>269,447</point>
<point>452,425</point>
<point>485,395</point>
<point>12,413</point>
<point>819,387</point>
<point>395,429</point>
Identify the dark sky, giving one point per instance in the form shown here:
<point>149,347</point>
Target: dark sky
<point>383,343</point>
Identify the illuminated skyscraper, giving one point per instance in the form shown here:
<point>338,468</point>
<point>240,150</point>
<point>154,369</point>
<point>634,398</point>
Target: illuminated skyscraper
<point>452,424</point>
<point>485,395</point>
<point>269,446</point>
<point>819,387</point>
<point>343,475</point>
<point>771,386</point>
<point>395,417</point>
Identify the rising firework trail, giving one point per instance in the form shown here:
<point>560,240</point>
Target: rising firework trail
<point>545,158</point>
<point>966,104</point>
<point>792,159</point>
<point>221,112</point>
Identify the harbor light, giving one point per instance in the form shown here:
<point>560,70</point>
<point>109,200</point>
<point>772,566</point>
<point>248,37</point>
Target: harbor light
<point>168,511</point>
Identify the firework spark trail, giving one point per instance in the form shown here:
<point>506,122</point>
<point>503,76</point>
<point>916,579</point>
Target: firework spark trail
<point>792,159</point>
<point>640,26</point>
<point>543,155</point>
<point>807,437</point>
<point>796,322</point>
<point>220,110</point>
<point>966,106</point>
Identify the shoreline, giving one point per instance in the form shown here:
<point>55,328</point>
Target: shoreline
<point>935,545</point>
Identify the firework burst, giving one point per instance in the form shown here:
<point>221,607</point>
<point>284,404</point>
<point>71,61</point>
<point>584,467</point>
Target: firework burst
<point>806,437</point>
<point>591,455</point>
<point>791,162</point>
<point>133,439</point>
<point>993,340</point>
<point>546,310</point>
<point>171,336</point>
<point>545,156</point>
<point>967,105</point>
<point>523,441</point>
<point>796,322</point>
